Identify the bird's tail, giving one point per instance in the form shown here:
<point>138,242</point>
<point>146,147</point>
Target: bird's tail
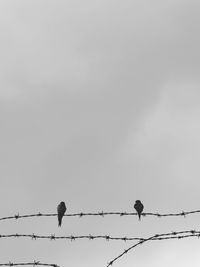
<point>139,215</point>
<point>59,221</point>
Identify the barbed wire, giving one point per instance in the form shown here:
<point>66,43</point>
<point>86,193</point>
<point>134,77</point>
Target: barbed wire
<point>106,237</point>
<point>164,236</point>
<point>101,213</point>
<point>71,237</point>
<point>34,263</point>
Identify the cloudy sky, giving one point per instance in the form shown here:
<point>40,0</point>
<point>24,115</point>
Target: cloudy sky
<point>99,106</point>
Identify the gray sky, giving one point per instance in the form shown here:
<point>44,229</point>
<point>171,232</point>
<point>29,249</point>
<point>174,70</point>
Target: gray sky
<point>99,106</point>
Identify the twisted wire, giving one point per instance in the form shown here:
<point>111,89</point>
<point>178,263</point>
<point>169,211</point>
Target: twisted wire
<point>172,235</point>
<point>34,263</point>
<point>102,214</point>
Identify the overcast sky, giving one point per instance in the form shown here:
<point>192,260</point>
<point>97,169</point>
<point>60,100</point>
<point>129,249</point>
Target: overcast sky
<point>99,106</point>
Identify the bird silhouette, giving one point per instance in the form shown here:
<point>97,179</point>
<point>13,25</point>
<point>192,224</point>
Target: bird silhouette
<point>61,211</point>
<point>139,208</point>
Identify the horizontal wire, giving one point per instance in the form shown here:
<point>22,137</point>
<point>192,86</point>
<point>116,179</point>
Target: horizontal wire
<point>102,214</point>
<point>172,235</point>
<point>34,263</point>
<point>71,237</point>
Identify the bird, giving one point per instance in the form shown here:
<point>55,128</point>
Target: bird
<point>61,211</point>
<point>139,208</point>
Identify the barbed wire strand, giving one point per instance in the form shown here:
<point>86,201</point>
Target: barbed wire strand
<point>34,263</point>
<point>172,235</point>
<point>102,214</point>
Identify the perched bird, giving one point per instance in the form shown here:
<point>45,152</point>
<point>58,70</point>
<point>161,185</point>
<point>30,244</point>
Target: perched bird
<point>61,211</point>
<point>139,208</point>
